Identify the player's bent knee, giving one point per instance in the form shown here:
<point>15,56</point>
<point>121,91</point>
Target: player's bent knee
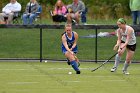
<point>128,60</point>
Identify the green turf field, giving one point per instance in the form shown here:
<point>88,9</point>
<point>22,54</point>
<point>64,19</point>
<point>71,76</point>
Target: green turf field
<point>34,77</point>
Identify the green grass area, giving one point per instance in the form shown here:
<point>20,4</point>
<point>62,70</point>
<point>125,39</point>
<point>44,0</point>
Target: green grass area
<point>32,77</point>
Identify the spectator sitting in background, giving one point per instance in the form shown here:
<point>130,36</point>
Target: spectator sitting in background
<point>75,10</point>
<point>30,12</point>
<point>59,13</point>
<point>9,11</point>
<point>135,9</point>
<point>83,15</point>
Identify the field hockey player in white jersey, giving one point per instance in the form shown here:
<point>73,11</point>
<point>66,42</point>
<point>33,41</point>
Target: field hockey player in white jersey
<point>126,41</point>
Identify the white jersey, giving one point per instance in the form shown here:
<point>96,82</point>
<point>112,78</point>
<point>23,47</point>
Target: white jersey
<point>132,39</point>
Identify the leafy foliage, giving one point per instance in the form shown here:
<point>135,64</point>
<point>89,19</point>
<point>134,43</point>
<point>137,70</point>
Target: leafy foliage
<point>98,9</point>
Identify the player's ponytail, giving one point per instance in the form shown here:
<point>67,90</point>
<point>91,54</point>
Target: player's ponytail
<point>63,33</point>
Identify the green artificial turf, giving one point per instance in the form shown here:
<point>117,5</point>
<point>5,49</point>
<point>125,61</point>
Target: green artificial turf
<point>35,77</point>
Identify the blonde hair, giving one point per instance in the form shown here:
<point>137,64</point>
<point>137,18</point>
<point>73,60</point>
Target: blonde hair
<point>59,7</point>
<point>68,25</point>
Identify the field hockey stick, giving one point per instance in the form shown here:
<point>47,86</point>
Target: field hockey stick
<point>104,63</point>
<point>76,58</point>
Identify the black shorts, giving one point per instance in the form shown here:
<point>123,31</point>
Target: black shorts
<point>59,18</point>
<point>130,47</point>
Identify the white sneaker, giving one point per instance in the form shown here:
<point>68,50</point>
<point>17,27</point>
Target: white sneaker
<point>113,69</point>
<point>85,24</point>
<point>125,72</point>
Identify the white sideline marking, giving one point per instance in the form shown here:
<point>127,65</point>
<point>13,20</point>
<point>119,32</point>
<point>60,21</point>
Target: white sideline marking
<point>73,81</point>
<point>22,90</point>
<point>59,68</point>
<point>17,69</point>
<point>36,75</point>
<point>13,69</point>
<point>48,68</point>
<point>97,76</point>
<point>20,83</point>
<point>68,68</point>
<point>114,80</point>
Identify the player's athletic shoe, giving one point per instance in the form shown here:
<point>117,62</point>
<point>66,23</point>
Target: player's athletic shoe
<point>125,72</point>
<point>78,72</point>
<point>113,69</point>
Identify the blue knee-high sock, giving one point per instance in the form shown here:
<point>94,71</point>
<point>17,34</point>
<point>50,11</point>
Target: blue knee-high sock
<point>74,65</point>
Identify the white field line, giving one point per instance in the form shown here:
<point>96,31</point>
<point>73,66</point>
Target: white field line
<point>61,69</point>
<point>46,69</point>
<point>73,81</point>
<point>21,90</point>
<point>36,75</point>
<point>16,69</point>
<point>18,90</point>
<point>114,80</point>
<point>68,68</point>
<point>87,68</point>
<point>21,83</point>
<point>86,76</point>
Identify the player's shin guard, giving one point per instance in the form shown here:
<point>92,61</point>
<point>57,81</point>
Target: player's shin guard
<point>74,65</point>
<point>126,65</point>
<point>117,60</point>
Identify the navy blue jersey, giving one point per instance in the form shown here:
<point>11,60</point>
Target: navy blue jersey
<point>70,42</point>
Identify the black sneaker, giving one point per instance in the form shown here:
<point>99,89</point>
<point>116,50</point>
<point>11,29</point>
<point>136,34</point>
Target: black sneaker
<point>78,72</point>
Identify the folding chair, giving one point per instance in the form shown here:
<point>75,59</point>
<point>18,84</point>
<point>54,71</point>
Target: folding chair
<point>38,14</point>
<point>15,18</point>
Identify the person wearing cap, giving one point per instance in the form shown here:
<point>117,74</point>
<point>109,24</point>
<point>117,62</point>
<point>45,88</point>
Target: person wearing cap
<point>126,41</point>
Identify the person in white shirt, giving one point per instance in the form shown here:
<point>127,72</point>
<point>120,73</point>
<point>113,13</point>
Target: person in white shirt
<point>9,11</point>
<point>126,41</point>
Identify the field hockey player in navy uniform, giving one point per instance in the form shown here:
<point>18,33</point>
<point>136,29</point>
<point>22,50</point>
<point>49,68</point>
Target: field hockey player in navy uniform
<point>69,46</point>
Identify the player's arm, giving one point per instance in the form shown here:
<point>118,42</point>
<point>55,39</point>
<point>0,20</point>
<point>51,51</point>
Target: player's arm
<point>65,44</point>
<point>75,41</point>
<point>128,38</point>
<point>118,40</point>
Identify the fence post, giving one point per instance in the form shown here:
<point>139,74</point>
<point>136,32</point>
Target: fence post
<point>40,44</point>
<point>96,42</point>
